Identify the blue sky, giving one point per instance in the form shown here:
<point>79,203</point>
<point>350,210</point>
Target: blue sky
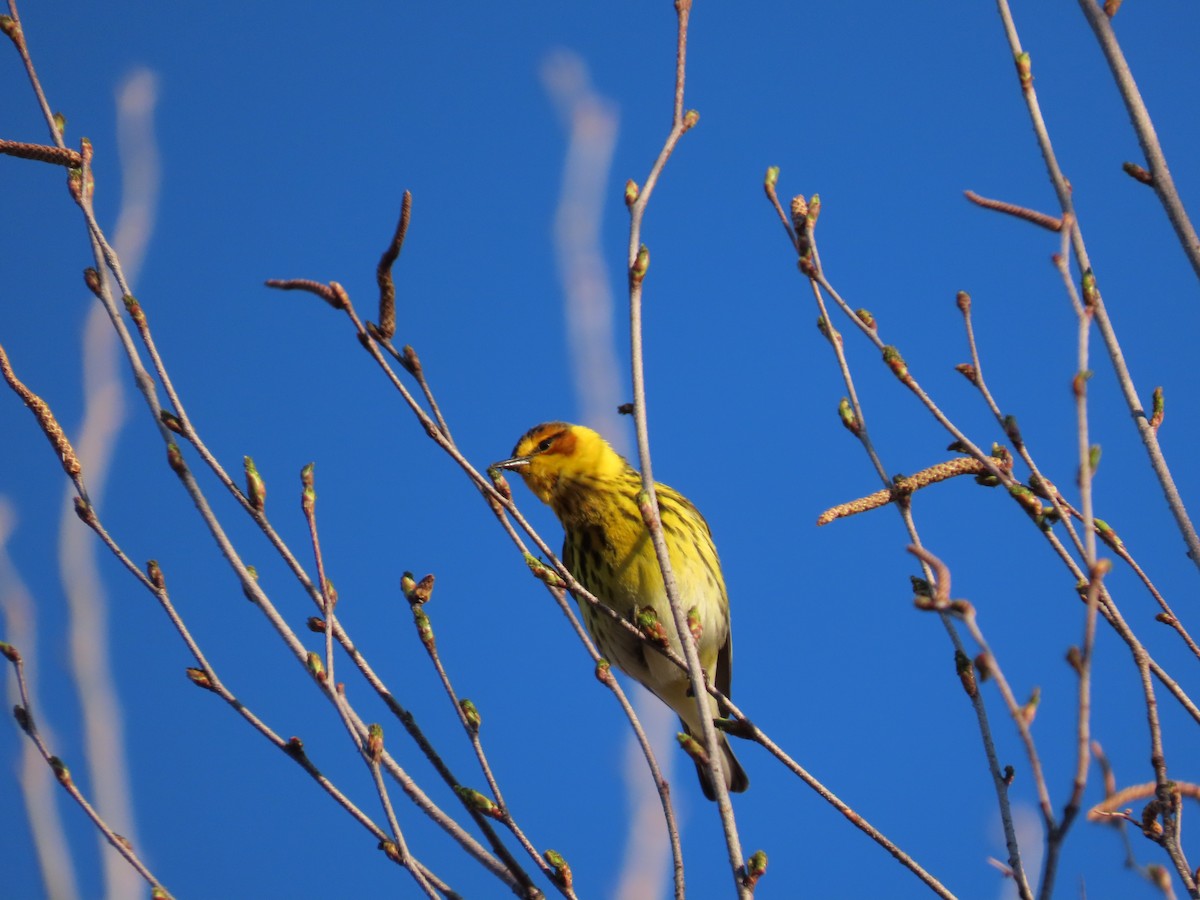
<point>287,134</point>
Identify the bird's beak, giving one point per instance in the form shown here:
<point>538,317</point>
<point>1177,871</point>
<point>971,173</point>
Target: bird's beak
<point>515,462</point>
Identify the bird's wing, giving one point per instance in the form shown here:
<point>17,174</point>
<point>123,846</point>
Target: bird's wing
<point>724,676</point>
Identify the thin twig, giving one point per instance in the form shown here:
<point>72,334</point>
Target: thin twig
<point>209,680</point>
<point>1055,832</point>
<point>975,375</point>
<point>370,743</point>
<point>1063,510</point>
<point>207,677</point>
<point>804,217</point>
<point>802,234</point>
<point>1056,835</point>
<point>105,256</point>
<point>749,731</point>
<point>1110,789</point>
<point>1167,616</point>
<point>1094,300</point>
<point>989,664</point>
<point>770,181</point>
<point>412,364</point>
<point>638,262</point>
<point>900,369</point>
<point>332,294</point>
<point>471,725</point>
<point>1139,116</point>
<point>16,33</point>
<point>341,300</point>
<point>25,718</point>
<point>401,851</point>
<point>1062,189</point>
<point>328,599</point>
<point>183,424</point>
<point>300,654</point>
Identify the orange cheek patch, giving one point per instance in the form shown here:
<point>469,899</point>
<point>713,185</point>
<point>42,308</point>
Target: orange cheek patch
<point>564,444</point>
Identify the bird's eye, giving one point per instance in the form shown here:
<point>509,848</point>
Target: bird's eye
<point>545,445</point>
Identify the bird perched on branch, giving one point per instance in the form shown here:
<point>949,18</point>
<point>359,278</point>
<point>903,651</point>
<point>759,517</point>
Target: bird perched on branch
<point>607,547</point>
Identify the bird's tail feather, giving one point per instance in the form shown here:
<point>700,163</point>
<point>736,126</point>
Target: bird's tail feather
<point>736,779</point>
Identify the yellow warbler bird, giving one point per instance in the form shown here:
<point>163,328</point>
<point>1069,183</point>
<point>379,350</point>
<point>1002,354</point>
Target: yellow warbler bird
<point>606,546</point>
